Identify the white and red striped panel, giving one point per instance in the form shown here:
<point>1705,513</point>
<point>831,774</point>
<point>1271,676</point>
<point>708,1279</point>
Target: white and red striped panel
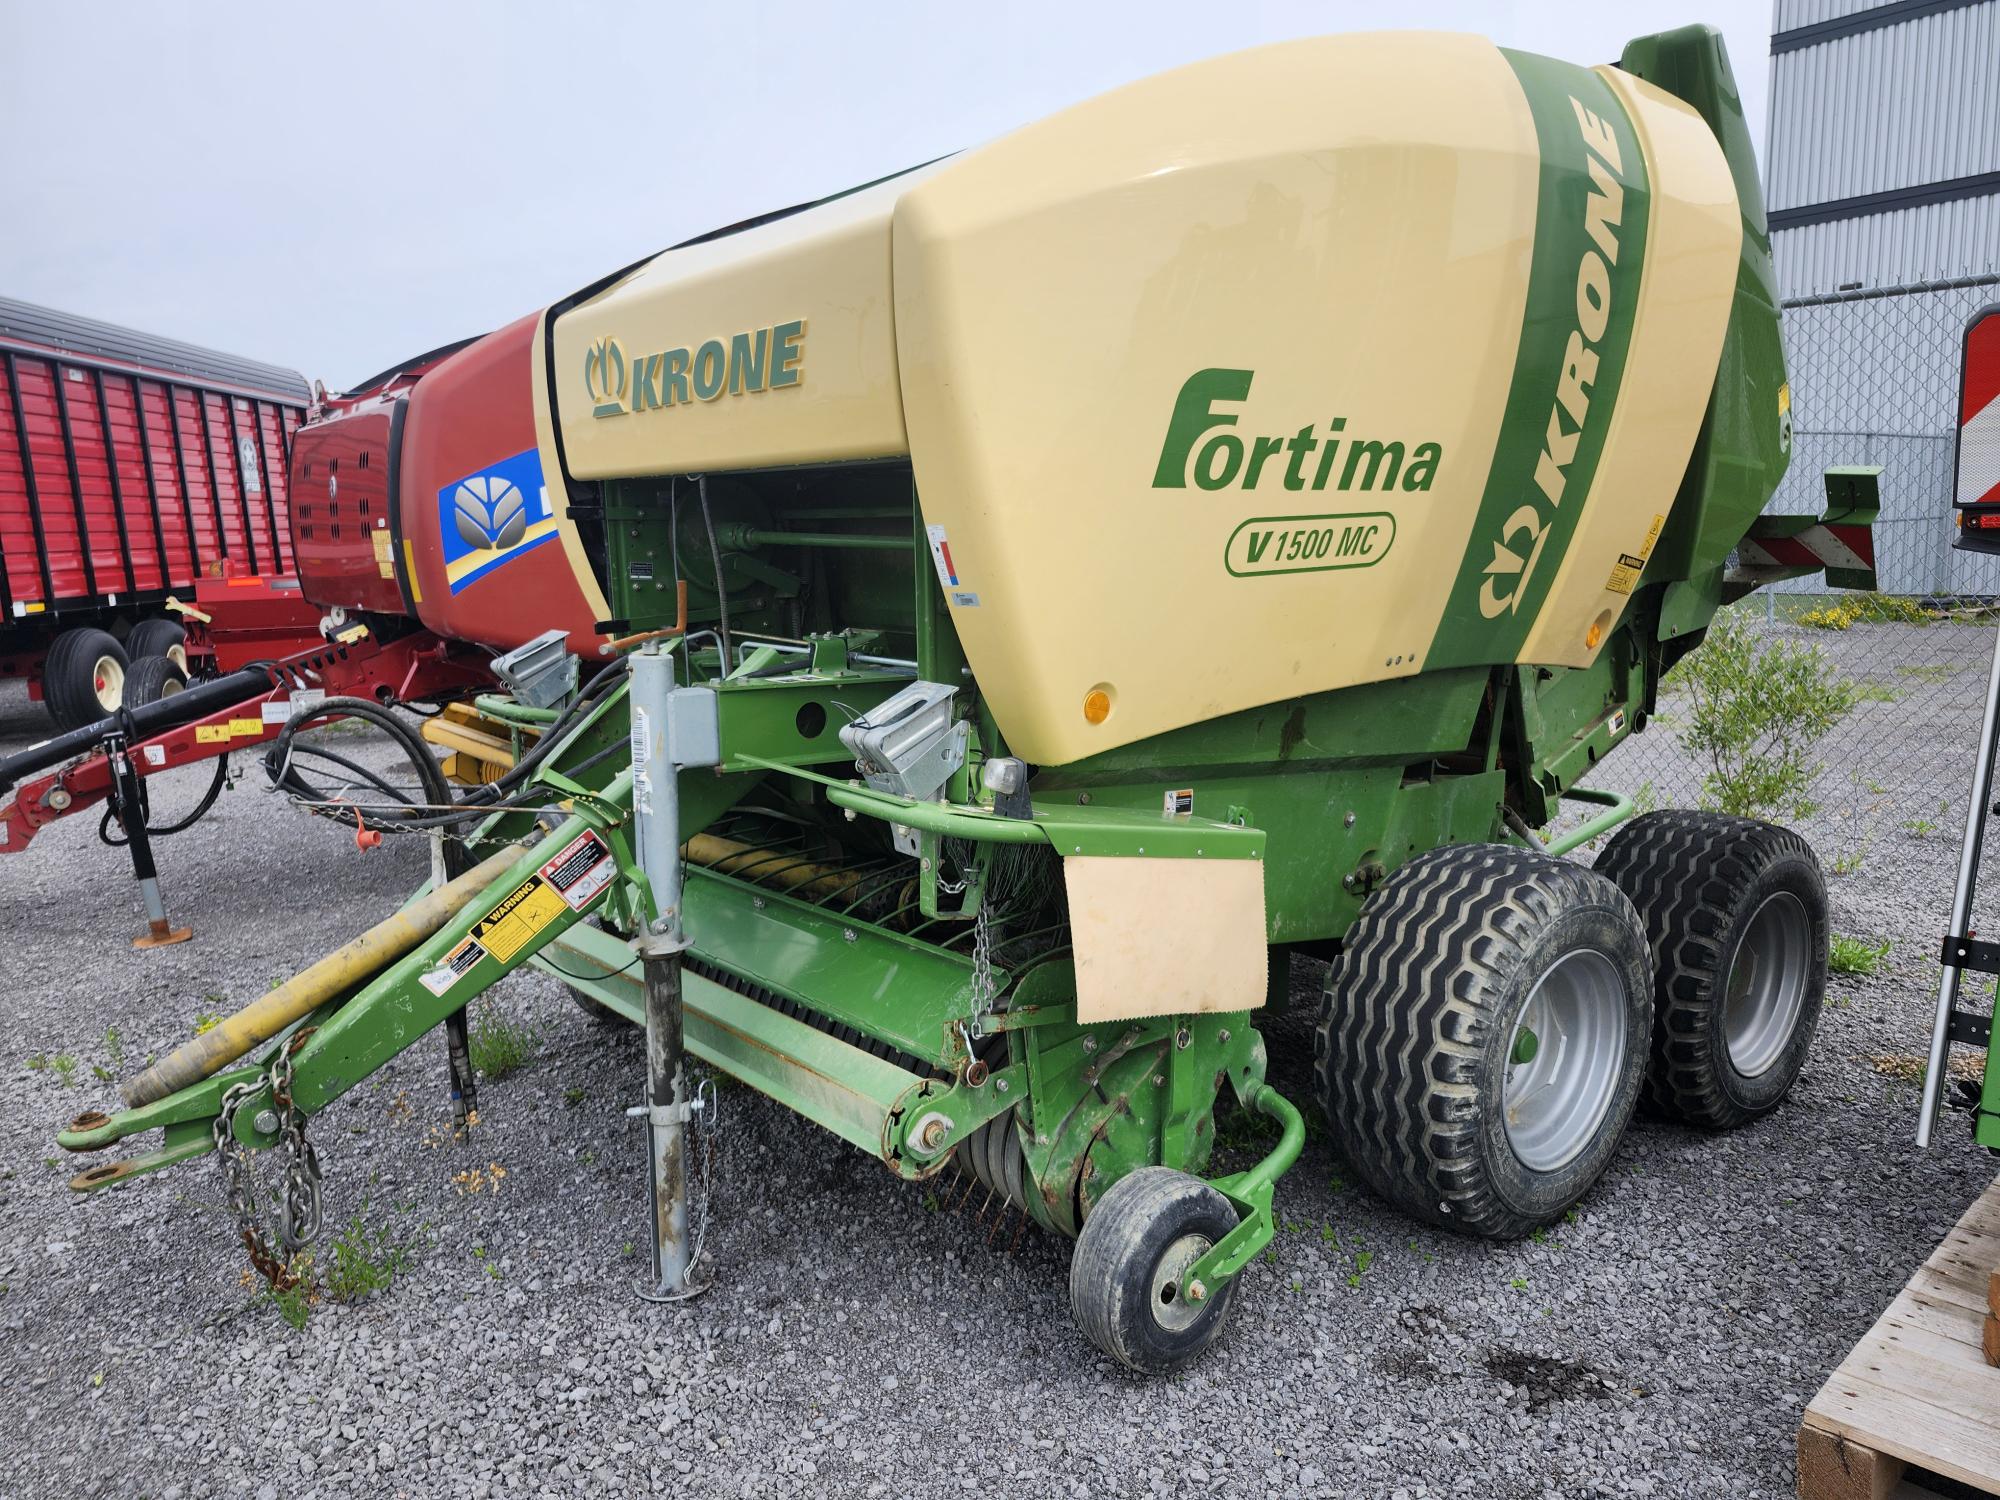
<point>1979,414</point>
<point>1835,546</point>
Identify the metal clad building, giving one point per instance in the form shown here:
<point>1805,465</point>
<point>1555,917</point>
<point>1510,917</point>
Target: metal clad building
<point>1882,185</point>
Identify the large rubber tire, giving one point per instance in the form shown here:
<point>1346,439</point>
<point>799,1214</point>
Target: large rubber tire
<point>158,638</point>
<point>1735,914</point>
<point>83,676</point>
<point>1421,1023</point>
<point>1123,1285</point>
<point>151,678</point>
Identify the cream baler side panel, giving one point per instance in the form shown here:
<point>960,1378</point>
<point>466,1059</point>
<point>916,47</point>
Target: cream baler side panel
<point>1685,289</point>
<point>552,475</point>
<point>828,266</point>
<point>1054,291</point>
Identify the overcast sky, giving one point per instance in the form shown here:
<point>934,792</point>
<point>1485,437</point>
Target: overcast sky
<point>335,187</point>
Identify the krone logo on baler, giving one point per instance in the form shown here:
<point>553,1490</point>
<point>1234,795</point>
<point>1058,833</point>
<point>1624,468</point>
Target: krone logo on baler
<point>1519,546</point>
<point>749,363</point>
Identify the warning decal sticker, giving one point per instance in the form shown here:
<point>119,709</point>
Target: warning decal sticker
<point>581,870</point>
<point>1626,574</point>
<point>519,918</point>
<point>453,967</point>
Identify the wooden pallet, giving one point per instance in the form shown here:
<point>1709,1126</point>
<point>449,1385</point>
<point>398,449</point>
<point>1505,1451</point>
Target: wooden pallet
<point>1917,1397</point>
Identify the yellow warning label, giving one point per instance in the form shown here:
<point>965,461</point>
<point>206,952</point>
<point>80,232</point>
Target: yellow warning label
<point>381,540</point>
<point>521,914</point>
<point>211,734</point>
<point>1625,576</point>
<point>1652,536</point>
<point>251,728</point>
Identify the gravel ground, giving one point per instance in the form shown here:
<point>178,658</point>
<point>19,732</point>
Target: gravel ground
<point>863,1338</point>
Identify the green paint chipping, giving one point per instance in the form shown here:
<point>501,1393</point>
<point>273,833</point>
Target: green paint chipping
<point>1583,291</point>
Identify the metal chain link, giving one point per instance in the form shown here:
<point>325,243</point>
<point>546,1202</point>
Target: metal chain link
<point>300,1204</point>
<point>704,1124</point>
<point>982,960</point>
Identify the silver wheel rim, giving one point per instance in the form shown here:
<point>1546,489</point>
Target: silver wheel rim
<point>177,653</point>
<point>1171,1308</point>
<point>107,682</point>
<point>1766,988</point>
<point>1564,1058</point>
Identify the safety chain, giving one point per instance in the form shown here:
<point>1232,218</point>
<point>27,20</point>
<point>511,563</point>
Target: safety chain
<point>704,1124</point>
<point>299,1202</point>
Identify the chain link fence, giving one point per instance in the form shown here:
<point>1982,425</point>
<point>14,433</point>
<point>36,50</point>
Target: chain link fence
<point>1875,380</point>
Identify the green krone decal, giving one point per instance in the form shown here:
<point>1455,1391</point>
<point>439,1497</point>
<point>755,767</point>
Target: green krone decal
<point>1308,544</point>
<point>1307,459</point>
<point>1583,291</point>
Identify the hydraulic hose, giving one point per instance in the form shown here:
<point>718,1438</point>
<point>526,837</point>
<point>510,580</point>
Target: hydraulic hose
<point>440,809</point>
<point>201,808</point>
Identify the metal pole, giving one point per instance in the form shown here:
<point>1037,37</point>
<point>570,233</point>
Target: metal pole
<point>1961,901</point>
<point>669,1100</point>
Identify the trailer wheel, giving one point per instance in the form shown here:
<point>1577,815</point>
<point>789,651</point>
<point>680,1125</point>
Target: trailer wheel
<point>151,678</point>
<point>1482,1037</point>
<point>83,676</point>
<point>158,637</point>
<point>1735,913</point>
<point>1125,1286</point>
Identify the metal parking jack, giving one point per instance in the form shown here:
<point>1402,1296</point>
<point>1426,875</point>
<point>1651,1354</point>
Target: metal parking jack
<point>130,810</point>
<point>673,729</point>
<point>1977,493</point>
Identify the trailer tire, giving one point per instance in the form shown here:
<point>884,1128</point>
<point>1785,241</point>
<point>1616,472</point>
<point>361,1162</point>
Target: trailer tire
<point>158,637</point>
<point>83,676</point>
<point>1124,1287</point>
<point>1735,915</point>
<point>1437,1008</point>
<point>151,678</point>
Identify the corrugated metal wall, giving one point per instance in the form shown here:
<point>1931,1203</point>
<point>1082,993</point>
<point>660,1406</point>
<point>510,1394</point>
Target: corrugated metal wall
<point>1895,107</point>
<point>1789,15</point>
<point>1925,243</point>
<point>1874,369</point>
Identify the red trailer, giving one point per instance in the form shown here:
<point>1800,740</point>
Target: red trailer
<point>130,466</point>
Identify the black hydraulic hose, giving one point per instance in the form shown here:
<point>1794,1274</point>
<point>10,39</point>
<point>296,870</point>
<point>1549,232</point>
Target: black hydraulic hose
<point>285,776</point>
<point>353,768</point>
<point>141,723</point>
<point>201,808</point>
<point>440,809</point>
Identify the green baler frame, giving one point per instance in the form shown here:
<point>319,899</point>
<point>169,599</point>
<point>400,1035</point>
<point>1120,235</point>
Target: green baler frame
<point>1331,792</point>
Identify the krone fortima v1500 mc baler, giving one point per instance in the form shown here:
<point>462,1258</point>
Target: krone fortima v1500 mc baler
<point>1224,519</point>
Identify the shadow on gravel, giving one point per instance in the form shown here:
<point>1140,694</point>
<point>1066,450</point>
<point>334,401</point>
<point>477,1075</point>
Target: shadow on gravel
<point>1547,1381</point>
